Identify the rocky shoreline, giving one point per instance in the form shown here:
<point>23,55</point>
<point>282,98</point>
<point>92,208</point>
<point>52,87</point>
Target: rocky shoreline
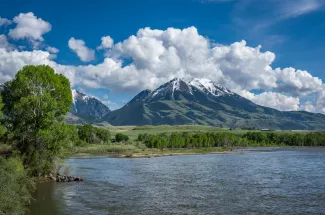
<point>63,178</point>
<point>140,155</point>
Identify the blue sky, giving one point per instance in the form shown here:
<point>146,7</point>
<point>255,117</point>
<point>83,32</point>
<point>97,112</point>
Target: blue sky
<point>291,29</point>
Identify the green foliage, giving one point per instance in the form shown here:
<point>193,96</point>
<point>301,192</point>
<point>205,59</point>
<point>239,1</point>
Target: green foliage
<point>227,140</point>
<point>288,139</point>
<point>103,135</point>
<point>35,101</point>
<point>119,137</point>
<point>2,128</point>
<point>36,97</point>
<point>187,140</point>
<point>93,135</point>
<point>87,133</point>
<point>15,187</point>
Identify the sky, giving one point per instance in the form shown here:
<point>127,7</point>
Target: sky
<point>270,51</point>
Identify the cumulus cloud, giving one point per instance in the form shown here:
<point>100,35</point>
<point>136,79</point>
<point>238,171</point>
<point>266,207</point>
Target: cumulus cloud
<point>79,47</point>
<point>52,50</point>
<point>29,27</point>
<point>308,106</point>
<point>5,21</point>
<point>107,42</point>
<point>4,43</point>
<point>13,61</point>
<point>156,56</point>
<point>317,104</point>
<point>297,82</point>
<point>277,101</point>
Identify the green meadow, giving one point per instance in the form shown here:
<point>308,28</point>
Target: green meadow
<point>134,131</point>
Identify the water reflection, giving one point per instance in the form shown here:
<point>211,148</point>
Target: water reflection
<point>46,201</point>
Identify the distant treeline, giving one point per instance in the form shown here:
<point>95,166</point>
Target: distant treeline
<point>227,140</point>
<point>287,139</point>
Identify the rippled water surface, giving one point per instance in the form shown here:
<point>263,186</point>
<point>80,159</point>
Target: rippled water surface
<point>272,181</point>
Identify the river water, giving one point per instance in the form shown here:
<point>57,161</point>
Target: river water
<point>272,181</point>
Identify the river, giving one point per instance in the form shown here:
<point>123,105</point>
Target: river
<point>272,181</point>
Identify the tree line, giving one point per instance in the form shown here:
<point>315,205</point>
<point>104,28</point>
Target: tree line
<point>228,140</point>
<point>287,139</point>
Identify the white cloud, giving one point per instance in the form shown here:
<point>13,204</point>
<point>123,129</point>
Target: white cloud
<point>4,43</point>
<point>5,21</point>
<point>317,104</point>
<point>294,8</point>
<point>276,100</point>
<point>107,42</point>
<point>308,106</point>
<point>12,61</point>
<point>156,56</point>
<point>52,50</point>
<point>79,47</point>
<point>29,27</point>
<point>297,82</point>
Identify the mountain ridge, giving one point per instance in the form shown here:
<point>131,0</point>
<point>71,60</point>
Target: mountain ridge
<point>203,102</point>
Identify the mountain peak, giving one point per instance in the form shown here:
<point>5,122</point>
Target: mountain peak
<point>208,86</point>
<point>168,89</point>
<point>140,97</point>
<point>87,107</point>
<point>77,94</point>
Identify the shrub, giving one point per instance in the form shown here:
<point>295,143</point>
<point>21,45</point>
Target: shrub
<point>119,137</point>
<point>15,187</point>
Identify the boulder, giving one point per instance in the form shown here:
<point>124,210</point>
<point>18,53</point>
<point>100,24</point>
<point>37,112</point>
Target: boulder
<point>65,178</point>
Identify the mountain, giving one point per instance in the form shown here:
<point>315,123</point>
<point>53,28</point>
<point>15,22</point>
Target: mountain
<point>86,108</point>
<point>204,102</point>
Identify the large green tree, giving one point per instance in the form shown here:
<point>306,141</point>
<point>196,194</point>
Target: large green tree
<point>35,101</point>
<point>2,128</point>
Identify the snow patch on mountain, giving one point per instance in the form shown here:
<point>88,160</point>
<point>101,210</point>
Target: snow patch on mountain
<point>205,84</point>
<point>176,85</point>
<point>156,92</point>
<point>78,95</point>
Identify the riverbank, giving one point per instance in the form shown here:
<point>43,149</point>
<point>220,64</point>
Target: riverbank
<point>141,155</point>
<point>129,151</point>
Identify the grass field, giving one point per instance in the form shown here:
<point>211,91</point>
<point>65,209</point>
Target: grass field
<point>134,131</point>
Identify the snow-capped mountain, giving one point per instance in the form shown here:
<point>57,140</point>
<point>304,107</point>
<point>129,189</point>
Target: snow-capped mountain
<point>1,86</point>
<point>87,107</point>
<point>201,101</point>
<point>208,86</point>
<point>178,89</point>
